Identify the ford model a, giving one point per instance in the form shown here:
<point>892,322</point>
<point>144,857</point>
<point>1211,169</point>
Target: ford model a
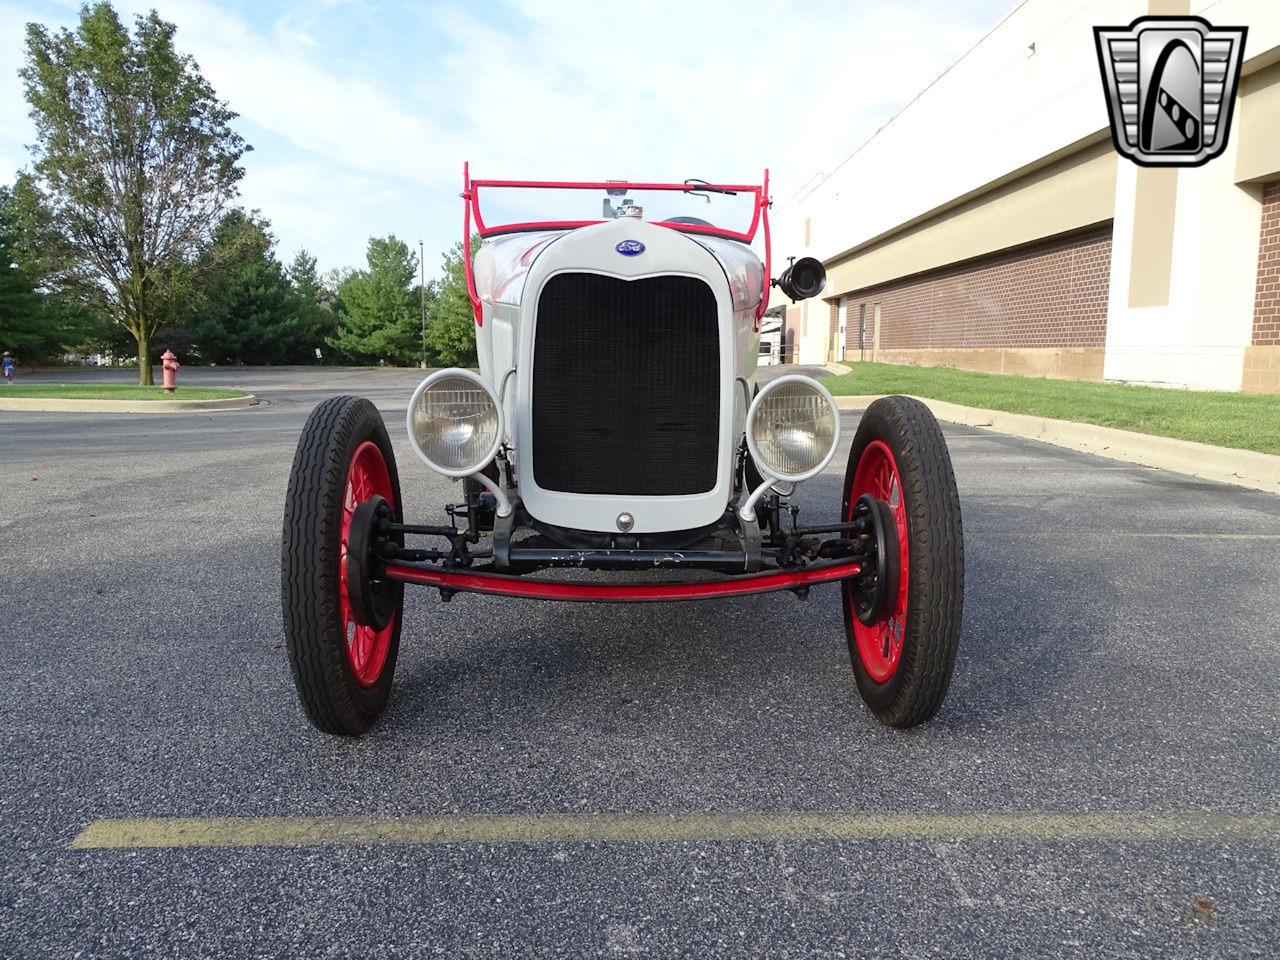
<point>615,424</point>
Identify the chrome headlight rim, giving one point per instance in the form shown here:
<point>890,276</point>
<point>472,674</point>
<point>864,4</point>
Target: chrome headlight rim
<point>480,382</point>
<point>773,385</point>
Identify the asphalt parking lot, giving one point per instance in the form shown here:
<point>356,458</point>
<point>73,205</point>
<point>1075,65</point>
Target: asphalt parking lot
<point>1120,664</point>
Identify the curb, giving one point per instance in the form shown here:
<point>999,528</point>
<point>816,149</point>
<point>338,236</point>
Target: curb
<point>55,405</point>
<point>1241,468</point>
<point>837,368</point>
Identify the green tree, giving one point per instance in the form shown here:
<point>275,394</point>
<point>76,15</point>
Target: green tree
<point>135,163</point>
<point>380,317</point>
<point>20,328</point>
<point>248,311</point>
<point>36,322</point>
<point>451,324</point>
<point>315,300</point>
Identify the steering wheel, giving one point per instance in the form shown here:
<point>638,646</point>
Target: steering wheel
<point>693,221</point>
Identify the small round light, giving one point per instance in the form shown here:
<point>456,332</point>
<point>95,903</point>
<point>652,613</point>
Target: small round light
<point>454,422</point>
<point>793,428</point>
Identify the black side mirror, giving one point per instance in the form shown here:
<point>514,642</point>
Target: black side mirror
<point>803,278</point>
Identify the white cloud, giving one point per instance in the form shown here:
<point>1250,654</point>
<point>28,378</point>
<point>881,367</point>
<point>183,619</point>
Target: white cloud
<point>283,86</point>
<point>711,90</point>
<point>541,90</point>
<point>333,212</point>
<point>15,126</point>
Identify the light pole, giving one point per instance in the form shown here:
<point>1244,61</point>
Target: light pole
<point>422,296</point>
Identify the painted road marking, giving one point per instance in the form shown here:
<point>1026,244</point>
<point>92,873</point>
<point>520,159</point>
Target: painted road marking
<point>1068,535</point>
<point>669,828</point>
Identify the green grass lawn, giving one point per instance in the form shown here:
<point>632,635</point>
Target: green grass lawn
<point>1249,422</point>
<point>113,391</point>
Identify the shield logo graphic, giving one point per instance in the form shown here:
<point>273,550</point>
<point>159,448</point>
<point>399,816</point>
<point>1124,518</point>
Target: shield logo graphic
<point>1171,85</point>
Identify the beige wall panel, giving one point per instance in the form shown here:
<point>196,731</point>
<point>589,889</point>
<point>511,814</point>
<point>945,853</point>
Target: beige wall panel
<point>1071,193</point>
<point>1154,205</point>
<point>1056,364</point>
<point>1261,370</point>
<point>1258,126</point>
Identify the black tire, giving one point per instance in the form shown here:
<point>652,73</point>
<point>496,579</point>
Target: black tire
<point>935,594</point>
<point>334,700</point>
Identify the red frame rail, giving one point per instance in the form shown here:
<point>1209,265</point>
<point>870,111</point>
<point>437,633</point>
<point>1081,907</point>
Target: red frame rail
<point>506,585</point>
<point>471,209</point>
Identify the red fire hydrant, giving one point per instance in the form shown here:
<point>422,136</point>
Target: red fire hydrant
<point>171,368</point>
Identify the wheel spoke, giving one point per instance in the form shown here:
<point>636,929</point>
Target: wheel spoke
<point>880,644</point>
<point>350,636</point>
<point>360,646</point>
<point>367,648</point>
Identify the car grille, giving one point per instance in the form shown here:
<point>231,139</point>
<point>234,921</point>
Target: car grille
<point>626,395</point>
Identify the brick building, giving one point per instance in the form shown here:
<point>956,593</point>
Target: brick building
<point>991,225</point>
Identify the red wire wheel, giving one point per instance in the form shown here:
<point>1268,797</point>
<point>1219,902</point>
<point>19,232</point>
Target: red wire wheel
<point>880,643</point>
<point>903,640</point>
<point>366,646</point>
<point>342,668</point>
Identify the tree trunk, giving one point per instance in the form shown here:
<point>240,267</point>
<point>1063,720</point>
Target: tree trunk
<point>144,363</point>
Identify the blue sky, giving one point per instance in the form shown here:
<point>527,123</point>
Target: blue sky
<point>361,113</point>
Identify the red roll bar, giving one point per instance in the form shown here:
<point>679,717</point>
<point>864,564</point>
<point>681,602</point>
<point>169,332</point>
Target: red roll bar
<point>471,209</point>
<point>767,284</point>
<point>466,244</point>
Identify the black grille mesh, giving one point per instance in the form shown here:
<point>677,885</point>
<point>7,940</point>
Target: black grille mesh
<point>626,396</point>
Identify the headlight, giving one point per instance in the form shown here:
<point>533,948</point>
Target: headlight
<point>793,427</point>
<point>455,424</point>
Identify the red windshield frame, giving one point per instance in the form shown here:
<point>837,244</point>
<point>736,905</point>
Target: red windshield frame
<point>471,211</point>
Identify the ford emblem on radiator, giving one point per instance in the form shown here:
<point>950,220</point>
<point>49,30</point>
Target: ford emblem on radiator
<point>630,248</point>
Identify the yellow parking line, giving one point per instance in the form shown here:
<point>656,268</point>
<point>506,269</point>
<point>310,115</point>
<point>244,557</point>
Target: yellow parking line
<point>1061,535</point>
<point>668,828</point>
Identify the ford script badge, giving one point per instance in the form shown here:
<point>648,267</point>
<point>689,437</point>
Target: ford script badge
<point>630,248</point>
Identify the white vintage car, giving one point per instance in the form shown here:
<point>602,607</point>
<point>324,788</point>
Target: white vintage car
<point>615,424</point>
